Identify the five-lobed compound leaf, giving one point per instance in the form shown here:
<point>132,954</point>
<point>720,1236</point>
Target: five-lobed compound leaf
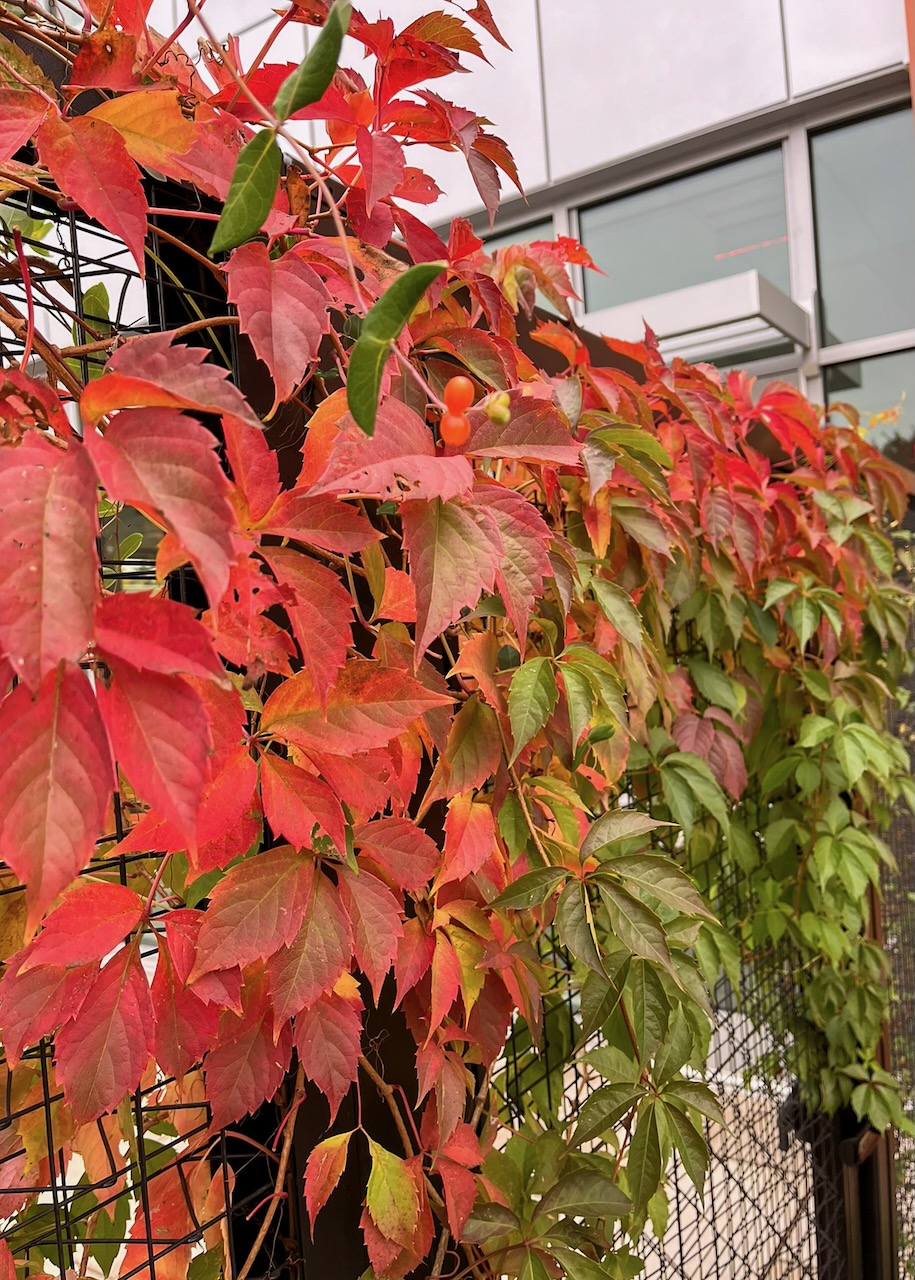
<point>324,1170</point>
<point>314,73</point>
<point>251,193</point>
<point>56,779</point>
<point>380,329</point>
<point>531,699</point>
<point>48,557</point>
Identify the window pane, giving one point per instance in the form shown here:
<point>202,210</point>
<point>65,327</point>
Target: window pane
<point>864,198</point>
<point>716,223</point>
<point>542,230</point>
<point>882,389</point>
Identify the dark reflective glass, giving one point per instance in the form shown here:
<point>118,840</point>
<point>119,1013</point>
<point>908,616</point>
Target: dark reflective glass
<point>716,223</point>
<point>864,203</point>
<point>882,389</point>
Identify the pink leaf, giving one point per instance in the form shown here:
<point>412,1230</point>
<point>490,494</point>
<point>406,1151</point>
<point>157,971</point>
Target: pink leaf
<point>454,554</point>
<point>92,920</point>
<point>328,1037</point>
<point>89,162</point>
<point>282,307</point>
<point>56,780</point>
<point>383,163</point>
<point>321,612</point>
<point>155,634</point>
<point>327,522</point>
<point>470,839</point>
<point>401,850</point>
<point>21,112</point>
<point>185,1026</point>
<point>254,465</point>
<point>102,1053</point>
<point>536,432</point>
<point>48,557</point>
<point>295,802</point>
<point>250,1058</point>
<point>161,739</point>
<point>692,733</point>
<point>300,973</point>
<point>525,561</point>
<point>375,916</point>
<point>166,461</point>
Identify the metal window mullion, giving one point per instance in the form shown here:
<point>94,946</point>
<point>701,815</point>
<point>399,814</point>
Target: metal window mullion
<point>883,344</point>
<point>802,258</point>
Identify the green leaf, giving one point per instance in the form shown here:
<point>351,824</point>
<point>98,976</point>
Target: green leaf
<point>579,700</point>
<point>804,616</point>
<point>690,1143</point>
<point>650,1008</point>
<point>576,1266</point>
<point>635,925</point>
<point>643,1166</point>
<point>531,889</point>
<point>380,328</point>
<point>618,608</point>
<point>531,698</point>
<point>532,1268</point>
<point>575,924</point>
<point>621,824</point>
<point>603,1108</point>
<point>586,1194</point>
<point>662,879</point>
<point>716,687</point>
<point>777,590</point>
<point>702,783</point>
<point>391,1196</point>
<point>698,1096</point>
<point>600,992</point>
<point>314,73</point>
<point>676,1049</point>
<point>488,1221</point>
<point>250,198</point>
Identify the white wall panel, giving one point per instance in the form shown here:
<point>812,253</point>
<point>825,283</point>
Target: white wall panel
<point>622,78</point>
<point>833,40</point>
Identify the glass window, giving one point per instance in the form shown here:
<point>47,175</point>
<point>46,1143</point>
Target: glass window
<point>716,223</point>
<point>882,389</point>
<point>864,202</point>
<point>542,230</point>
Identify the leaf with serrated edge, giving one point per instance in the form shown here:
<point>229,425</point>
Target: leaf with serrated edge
<point>391,1196</point>
<point>323,1171</point>
<point>531,699</point>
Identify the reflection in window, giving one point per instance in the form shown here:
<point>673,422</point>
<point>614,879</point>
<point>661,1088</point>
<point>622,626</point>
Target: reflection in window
<point>542,230</point>
<point>717,223</point>
<point>864,198</point>
<point>882,389</point>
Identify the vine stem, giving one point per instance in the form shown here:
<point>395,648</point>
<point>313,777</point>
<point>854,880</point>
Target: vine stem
<point>439,1259</point>
<point>29,300</point>
<point>387,1093</point>
<point>516,786</point>
<point>278,1192</point>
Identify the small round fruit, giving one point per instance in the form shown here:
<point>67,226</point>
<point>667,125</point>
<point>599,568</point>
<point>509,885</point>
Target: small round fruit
<point>458,394</point>
<point>454,428</point>
<point>497,409</point>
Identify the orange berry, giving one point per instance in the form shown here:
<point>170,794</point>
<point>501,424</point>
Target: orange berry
<point>458,394</point>
<point>454,428</point>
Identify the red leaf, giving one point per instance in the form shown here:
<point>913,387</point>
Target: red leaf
<point>446,979</point>
<point>254,910</point>
<point>327,522</point>
<point>323,1171</point>
<point>21,112</point>
<point>321,612</point>
<point>92,920</point>
<point>154,372</point>
<point>454,554</point>
<point>254,465</point>
<point>536,432</point>
<point>250,1058</point>
<point>185,1025</point>
<point>399,461</point>
<point>328,1037</point>
<point>166,461</point>
<point>726,762</point>
<point>48,557</point>
<point>525,560</point>
<point>161,739</point>
<point>106,60</point>
<point>102,1054</point>
<point>470,839</point>
<point>56,779</point>
<point>89,162</point>
<point>717,514</point>
<point>375,916</point>
<point>282,307</point>
<point>295,802</point>
<point>460,1188</point>
<point>155,634</point>
<point>33,1004</point>
<point>367,707</point>
<point>302,972</point>
<point>383,163</point>
<point>414,956</point>
<point>398,601</point>
<point>241,633</point>
<point>692,733</point>
<point>400,849</point>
